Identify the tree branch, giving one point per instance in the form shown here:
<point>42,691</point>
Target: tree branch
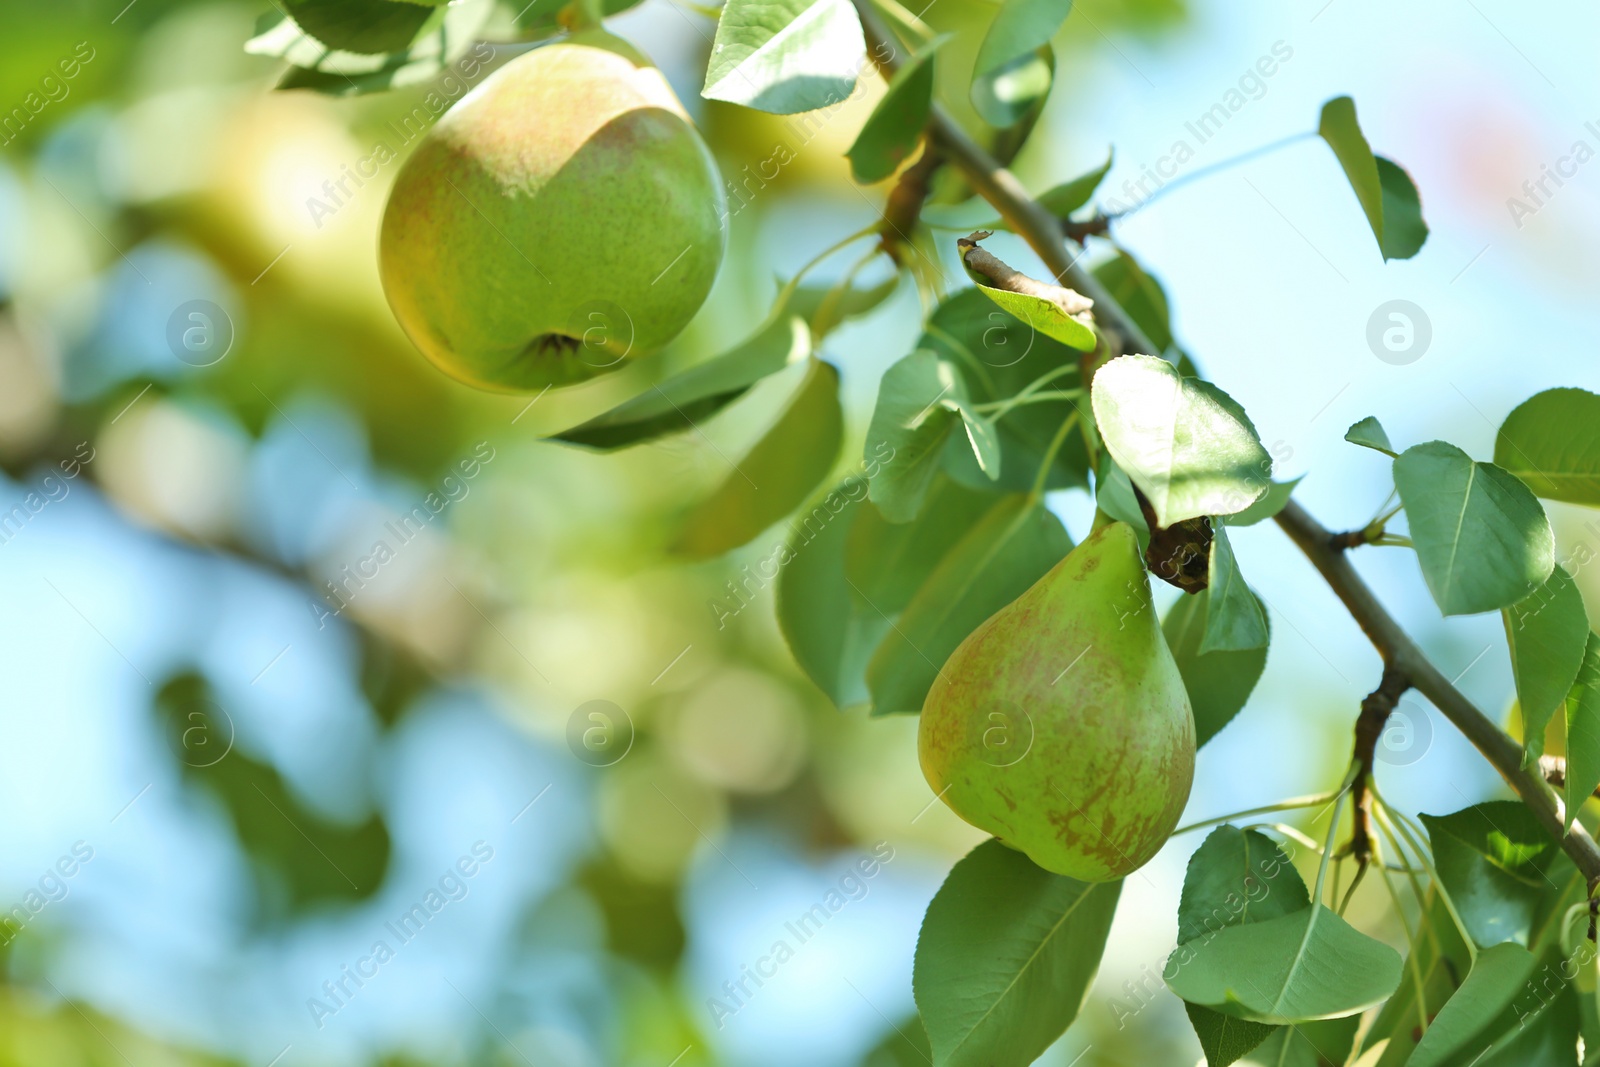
<point>1043,232</point>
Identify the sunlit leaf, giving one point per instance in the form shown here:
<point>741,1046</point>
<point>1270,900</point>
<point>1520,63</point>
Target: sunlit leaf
<point>1003,82</point>
<point>1387,195</point>
<point>1219,683</point>
<point>684,400</point>
<point>1495,860</point>
<point>894,129</point>
<point>1481,537</point>
<point>785,56</point>
<point>1369,433</point>
<point>1546,632</point>
<point>778,472</point>
<point>1188,447</point>
<point>909,425</point>
<point>1006,955</point>
<point>1043,315</point>
<point>1552,442</point>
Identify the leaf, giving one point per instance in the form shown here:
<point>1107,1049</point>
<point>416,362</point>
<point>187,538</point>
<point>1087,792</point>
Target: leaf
<point>1005,957</point>
<point>1045,316</point>
<point>1403,229</point>
<point>785,56</point>
<point>996,356</point>
<point>692,395</point>
<point>444,38</point>
<point>1223,1038</point>
<point>370,26</point>
<point>1387,195</point>
<point>908,430</point>
<point>1481,537</point>
<point>1010,548</point>
<point>1274,500</point>
<point>824,307</point>
<point>1062,200</point>
<point>1552,442</point>
<point>830,629</point>
<point>887,562</point>
<point>1496,978</point>
<point>981,435</point>
<point>1546,1036</point>
<point>1219,683</point>
<point>1234,619</point>
<point>776,474</point>
<point>1583,730</point>
<point>1188,447</point>
<point>1237,877</point>
<point>894,129</point>
<point>1494,860</point>
<point>1005,76</point>
<point>1140,295</point>
<point>1115,497</point>
<point>1323,1043</point>
<point>1369,433</point>
<point>1441,956</point>
<point>1309,964</point>
<point>1546,633</point>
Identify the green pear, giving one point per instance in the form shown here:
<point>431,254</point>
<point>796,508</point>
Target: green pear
<point>562,218</point>
<point>1061,724</point>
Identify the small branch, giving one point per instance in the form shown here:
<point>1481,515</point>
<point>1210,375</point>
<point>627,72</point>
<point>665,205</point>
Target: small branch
<point>1375,712</point>
<point>904,204</point>
<point>1001,276</point>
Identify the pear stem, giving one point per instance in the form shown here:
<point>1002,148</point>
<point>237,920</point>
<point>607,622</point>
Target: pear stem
<point>1041,229</point>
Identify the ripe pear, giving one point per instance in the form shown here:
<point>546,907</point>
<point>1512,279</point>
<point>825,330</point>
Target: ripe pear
<point>563,217</point>
<point>1061,725</point>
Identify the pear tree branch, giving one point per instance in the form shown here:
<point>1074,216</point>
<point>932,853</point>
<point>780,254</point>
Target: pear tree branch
<point>1042,231</point>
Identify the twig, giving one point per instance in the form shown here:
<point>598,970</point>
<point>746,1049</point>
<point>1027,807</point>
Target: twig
<point>1033,223</point>
<point>1375,711</point>
<point>1001,275</point>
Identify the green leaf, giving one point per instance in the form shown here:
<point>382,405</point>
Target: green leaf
<point>1188,447</point>
<point>1062,200</point>
<point>1441,957</point>
<point>1234,619</point>
<point>1005,957</point>
<point>1481,537</point>
<point>908,430</point>
<point>981,435</point>
<point>1274,500</point>
<point>785,56</point>
<point>1494,860</point>
<point>1043,315</point>
<point>1309,964</point>
<point>1219,683</point>
<point>1403,229</point>
<point>1545,1036</point>
<point>1010,548</point>
<point>894,129</point>
<point>830,629</point>
<point>1140,295</point>
<point>824,307</point>
<point>445,37</point>
<point>1387,195</point>
<point>1223,1038</point>
<point>687,398</point>
<point>1019,30</point>
<point>1114,495</point>
<point>996,356</point>
<point>1583,729</point>
<point>1552,442</point>
<point>776,474</point>
<point>1495,979</point>
<point>369,26</point>
<point>1369,433</point>
<point>1012,96</point>
<point>887,562</point>
<point>1547,633</point>
<point>1237,877</point>
<point>1323,1043</point>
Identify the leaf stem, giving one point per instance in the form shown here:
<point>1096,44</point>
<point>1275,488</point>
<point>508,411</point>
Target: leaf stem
<point>1333,829</point>
<point>1382,811</point>
<point>999,408</point>
<point>1419,986</point>
<point>1039,480</point>
<point>1267,809</point>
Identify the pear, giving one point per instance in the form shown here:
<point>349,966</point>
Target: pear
<point>562,218</point>
<point>1061,725</point>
